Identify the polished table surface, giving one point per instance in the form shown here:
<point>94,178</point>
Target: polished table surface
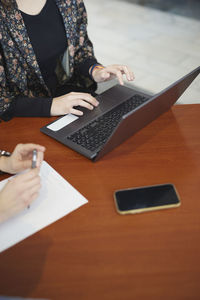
<point>95,253</point>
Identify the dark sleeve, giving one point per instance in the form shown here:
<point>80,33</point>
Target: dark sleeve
<point>85,66</point>
<point>28,107</point>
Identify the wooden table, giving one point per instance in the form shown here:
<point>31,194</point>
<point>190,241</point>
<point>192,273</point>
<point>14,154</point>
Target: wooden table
<point>94,253</point>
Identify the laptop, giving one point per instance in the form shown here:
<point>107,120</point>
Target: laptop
<point>122,111</point>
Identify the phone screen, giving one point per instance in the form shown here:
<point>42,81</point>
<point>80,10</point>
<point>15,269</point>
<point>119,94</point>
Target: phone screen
<point>146,198</point>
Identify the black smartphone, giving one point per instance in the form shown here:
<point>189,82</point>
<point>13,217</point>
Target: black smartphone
<point>147,198</point>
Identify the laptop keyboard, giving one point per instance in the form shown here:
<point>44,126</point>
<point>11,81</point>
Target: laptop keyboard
<point>95,134</point>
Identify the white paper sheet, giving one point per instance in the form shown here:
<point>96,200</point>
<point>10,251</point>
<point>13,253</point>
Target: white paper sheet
<point>57,198</point>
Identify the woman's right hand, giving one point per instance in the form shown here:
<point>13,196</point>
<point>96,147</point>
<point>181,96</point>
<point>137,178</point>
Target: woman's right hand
<point>65,104</point>
<point>21,158</point>
<point>18,193</point>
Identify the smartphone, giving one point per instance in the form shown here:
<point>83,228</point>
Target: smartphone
<point>147,198</point>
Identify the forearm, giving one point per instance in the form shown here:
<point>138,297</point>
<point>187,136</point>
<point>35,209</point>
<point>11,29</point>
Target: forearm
<point>33,107</point>
<point>28,107</point>
<point>3,212</point>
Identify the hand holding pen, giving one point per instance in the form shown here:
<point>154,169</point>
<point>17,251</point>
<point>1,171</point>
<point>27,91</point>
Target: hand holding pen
<point>21,158</point>
<point>21,190</point>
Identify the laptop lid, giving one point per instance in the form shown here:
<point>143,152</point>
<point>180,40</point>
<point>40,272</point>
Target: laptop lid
<point>133,121</point>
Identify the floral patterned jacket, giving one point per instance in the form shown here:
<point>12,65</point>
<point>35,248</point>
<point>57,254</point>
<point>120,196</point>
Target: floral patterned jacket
<point>19,71</point>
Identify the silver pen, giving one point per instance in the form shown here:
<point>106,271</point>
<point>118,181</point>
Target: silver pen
<point>33,165</point>
<point>34,159</point>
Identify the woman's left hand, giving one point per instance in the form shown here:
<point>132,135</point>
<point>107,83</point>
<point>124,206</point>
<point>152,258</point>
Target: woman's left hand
<point>111,72</point>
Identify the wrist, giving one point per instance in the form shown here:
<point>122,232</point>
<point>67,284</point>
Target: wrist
<point>4,159</point>
<point>94,68</point>
<point>4,164</point>
<point>55,107</point>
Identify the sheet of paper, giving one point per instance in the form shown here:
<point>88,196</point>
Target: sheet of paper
<point>57,198</point>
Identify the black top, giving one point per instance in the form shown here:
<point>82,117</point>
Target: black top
<point>48,38</point>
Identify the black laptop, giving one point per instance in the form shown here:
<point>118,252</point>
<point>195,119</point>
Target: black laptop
<point>121,112</point>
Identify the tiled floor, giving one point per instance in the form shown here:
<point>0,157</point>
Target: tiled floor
<point>160,47</point>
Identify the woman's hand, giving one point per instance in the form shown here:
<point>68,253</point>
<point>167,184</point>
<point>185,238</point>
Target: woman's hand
<point>65,104</point>
<point>111,72</point>
<point>18,193</point>
<point>21,158</point>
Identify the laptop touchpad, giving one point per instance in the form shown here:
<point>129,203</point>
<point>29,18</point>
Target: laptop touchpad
<point>62,122</point>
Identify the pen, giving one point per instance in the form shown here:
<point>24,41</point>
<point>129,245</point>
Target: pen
<point>4,153</point>
<point>34,159</point>
<point>33,165</point>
